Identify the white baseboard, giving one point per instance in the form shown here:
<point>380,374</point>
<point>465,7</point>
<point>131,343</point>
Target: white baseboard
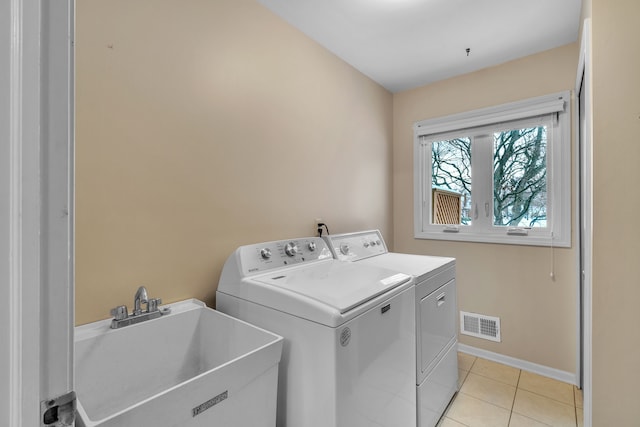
<point>545,371</point>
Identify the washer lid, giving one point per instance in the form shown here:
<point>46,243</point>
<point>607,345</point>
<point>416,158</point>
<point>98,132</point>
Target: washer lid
<point>340,285</point>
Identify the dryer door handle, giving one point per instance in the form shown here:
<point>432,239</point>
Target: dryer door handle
<point>441,299</point>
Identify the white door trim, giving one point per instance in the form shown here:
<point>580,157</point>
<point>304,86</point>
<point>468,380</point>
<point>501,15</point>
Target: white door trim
<point>36,75</point>
<point>24,213</point>
<point>584,81</point>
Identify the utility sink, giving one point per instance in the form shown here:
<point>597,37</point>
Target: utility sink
<point>192,367</point>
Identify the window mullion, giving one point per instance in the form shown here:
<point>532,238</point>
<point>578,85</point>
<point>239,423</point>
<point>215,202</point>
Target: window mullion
<point>482,166</point>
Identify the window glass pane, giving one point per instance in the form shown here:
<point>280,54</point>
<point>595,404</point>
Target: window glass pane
<point>520,177</point>
<point>451,172</point>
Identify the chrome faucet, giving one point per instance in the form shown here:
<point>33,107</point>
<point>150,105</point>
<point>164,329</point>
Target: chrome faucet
<point>140,298</point>
<point>121,317</point>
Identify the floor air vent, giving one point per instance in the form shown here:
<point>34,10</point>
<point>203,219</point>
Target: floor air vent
<point>480,326</point>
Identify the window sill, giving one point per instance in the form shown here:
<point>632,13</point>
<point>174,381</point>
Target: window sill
<point>533,239</point>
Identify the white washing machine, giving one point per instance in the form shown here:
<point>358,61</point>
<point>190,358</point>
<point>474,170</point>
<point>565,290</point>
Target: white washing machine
<point>436,331</point>
<point>348,357</point>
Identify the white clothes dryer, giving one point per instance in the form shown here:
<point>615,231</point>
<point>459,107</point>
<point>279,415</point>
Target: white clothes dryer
<point>436,331</point>
<point>348,357</point>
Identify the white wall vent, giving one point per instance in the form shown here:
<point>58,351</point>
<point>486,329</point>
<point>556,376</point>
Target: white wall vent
<point>480,326</point>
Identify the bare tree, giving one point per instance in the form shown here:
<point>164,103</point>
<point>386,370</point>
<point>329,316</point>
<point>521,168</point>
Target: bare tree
<point>520,177</point>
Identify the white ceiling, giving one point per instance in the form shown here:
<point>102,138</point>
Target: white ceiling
<point>403,44</point>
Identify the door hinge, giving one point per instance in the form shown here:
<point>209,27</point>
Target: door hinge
<point>58,412</point>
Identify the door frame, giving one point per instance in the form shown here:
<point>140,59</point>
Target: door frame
<point>36,75</point>
<point>583,88</point>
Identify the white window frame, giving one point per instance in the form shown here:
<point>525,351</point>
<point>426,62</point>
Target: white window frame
<point>554,109</point>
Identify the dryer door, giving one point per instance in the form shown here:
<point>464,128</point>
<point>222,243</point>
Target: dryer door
<point>437,320</point>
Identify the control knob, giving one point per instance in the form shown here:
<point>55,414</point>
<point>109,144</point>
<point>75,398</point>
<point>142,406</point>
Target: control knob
<point>312,246</point>
<point>265,253</point>
<point>344,248</point>
<point>291,249</point>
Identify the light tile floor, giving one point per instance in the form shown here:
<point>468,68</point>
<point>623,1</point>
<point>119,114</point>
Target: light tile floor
<point>495,395</point>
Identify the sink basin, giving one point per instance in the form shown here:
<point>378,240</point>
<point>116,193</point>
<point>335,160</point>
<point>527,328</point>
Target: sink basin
<point>192,367</point>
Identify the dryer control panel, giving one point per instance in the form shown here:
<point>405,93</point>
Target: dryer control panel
<point>355,246</point>
<point>266,256</point>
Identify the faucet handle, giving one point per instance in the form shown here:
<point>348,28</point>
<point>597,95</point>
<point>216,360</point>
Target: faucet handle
<point>153,304</point>
<point>120,312</point>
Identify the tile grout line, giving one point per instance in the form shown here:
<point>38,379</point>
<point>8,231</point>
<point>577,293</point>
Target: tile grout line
<point>466,377</point>
<point>475,359</point>
<point>513,403</point>
<point>547,397</point>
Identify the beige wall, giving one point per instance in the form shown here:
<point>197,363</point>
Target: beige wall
<point>616,266</point>
<point>538,315</point>
<point>205,125</point>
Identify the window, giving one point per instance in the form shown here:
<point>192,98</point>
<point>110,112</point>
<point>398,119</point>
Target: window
<point>499,175</point>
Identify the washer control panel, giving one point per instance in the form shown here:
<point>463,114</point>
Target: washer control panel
<point>266,256</point>
<point>355,246</point>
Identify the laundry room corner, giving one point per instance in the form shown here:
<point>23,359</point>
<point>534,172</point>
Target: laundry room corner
<point>538,313</point>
